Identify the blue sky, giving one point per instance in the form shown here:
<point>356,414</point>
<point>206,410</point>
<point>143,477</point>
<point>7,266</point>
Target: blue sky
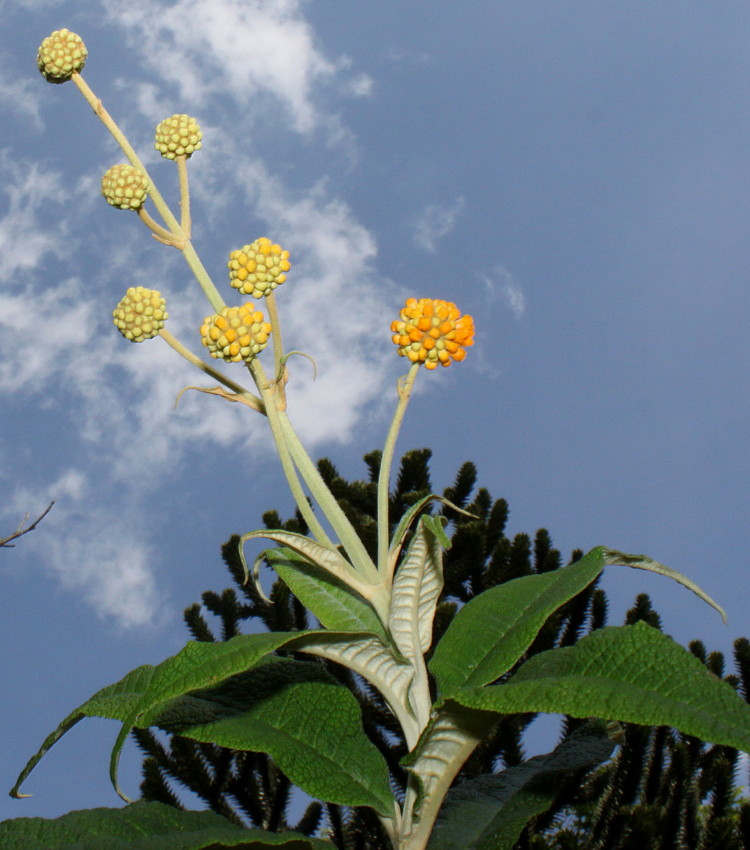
<point>575,175</point>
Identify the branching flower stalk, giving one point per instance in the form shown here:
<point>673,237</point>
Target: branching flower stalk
<point>376,618</point>
<point>428,332</point>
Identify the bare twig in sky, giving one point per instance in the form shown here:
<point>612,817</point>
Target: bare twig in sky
<point>23,528</point>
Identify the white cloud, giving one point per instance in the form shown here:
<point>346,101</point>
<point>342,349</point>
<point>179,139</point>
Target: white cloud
<point>435,222</point>
<point>93,549</point>
<point>502,283</point>
<point>23,241</point>
<point>257,52</point>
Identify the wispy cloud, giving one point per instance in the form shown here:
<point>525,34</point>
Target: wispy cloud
<point>93,550</point>
<point>501,283</point>
<point>260,53</point>
<point>56,335</point>
<point>434,222</point>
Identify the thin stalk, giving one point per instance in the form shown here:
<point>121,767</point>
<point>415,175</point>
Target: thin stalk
<point>328,504</point>
<point>287,464</point>
<point>188,252</point>
<point>384,476</point>
<point>278,346</point>
<point>186,224</point>
<point>249,398</point>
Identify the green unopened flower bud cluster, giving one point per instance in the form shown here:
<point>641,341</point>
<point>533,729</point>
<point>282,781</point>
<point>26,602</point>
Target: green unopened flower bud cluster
<point>61,55</point>
<point>235,334</point>
<point>125,186</point>
<point>141,314</point>
<point>179,135</point>
<point>258,268</point>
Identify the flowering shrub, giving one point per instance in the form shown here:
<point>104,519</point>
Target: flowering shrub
<point>375,615</point>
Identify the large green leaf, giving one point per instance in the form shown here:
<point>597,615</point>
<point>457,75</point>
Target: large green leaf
<point>491,632</point>
<point>335,605</point>
<point>416,588</point>
<point>630,673</point>
<point>145,689</point>
<point>144,826</point>
<point>295,711</point>
<point>489,812</point>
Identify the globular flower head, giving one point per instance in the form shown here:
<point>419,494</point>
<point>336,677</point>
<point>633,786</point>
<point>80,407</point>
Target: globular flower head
<point>179,135</point>
<point>235,334</point>
<point>125,186</point>
<point>257,269</point>
<point>61,55</point>
<point>141,314</point>
<point>431,331</point>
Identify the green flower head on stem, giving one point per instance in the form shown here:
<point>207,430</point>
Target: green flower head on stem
<point>61,55</point>
<point>432,332</point>
<point>179,135</point>
<point>257,269</point>
<point>236,334</point>
<point>141,314</point>
<point>125,186</point>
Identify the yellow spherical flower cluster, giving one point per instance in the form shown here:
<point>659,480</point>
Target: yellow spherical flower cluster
<point>125,186</point>
<point>431,331</point>
<point>257,269</point>
<point>179,135</point>
<point>235,334</point>
<point>61,55</point>
<point>141,314</point>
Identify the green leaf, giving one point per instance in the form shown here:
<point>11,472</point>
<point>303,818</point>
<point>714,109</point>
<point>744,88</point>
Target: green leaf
<point>145,689</point>
<point>634,674</point>
<point>330,560</point>
<point>372,659</point>
<point>331,601</point>
<point>144,826</point>
<point>491,632</point>
<point>489,812</point>
<point>402,529</point>
<point>416,588</point>
<point>643,562</point>
<point>297,712</point>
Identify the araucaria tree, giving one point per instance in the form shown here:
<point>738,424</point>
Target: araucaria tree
<point>375,607</point>
<point>660,791</point>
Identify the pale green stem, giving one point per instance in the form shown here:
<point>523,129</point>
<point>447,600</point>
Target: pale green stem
<point>287,464</point>
<point>328,504</point>
<point>249,398</point>
<point>188,252</point>
<point>185,221</point>
<point>384,476</point>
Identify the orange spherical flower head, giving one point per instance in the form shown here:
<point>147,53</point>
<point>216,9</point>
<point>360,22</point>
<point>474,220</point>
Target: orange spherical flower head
<point>125,186</point>
<point>235,334</point>
<point>257,269</point>
<point>141,314</point>
<point>61,55</point>
<point>431,331</point>
<point>179,135</point>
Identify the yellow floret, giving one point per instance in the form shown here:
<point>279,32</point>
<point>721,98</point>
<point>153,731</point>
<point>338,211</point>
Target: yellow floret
<point>432,332</point>
<point>141,314</point>
<point>258,268</point>
<point>235,334</point>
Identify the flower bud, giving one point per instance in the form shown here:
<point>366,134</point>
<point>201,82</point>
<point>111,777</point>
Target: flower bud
<point>179,135</point>
<point>235,334</point>
<point>125,186</point>
<point>61,55</point>
<point>432,332</point>
<point>141,314</point>
<point>257,269</point>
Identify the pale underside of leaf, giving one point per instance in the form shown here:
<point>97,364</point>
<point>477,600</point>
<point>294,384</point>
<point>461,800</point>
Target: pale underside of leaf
<point>327,559</point>
<point>643,562</point>
<point>372,659</point>
<point>416,588</point>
